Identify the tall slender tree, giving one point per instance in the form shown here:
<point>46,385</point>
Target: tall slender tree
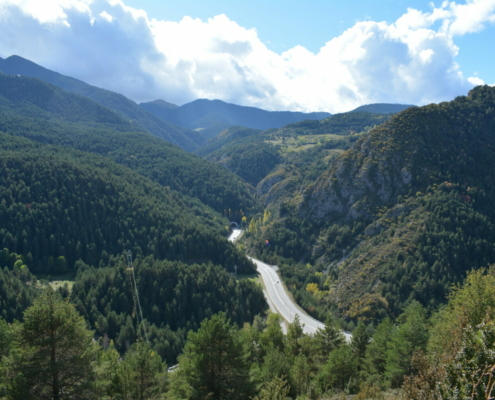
<point>213,364</point>
<point>54,353</point>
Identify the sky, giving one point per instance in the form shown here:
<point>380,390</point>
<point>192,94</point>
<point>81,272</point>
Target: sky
<point>312,55</point>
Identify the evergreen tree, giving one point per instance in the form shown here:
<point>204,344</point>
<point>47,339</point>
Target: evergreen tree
<point>410,336</point>
<point>376,353</point>
<point>213,364</point>
<point>55,352</point>
<point>340,369</point>
<point>273,335</point>
<point>141,373</point>
<point>276,389</point>
<point>106,366</point>
<point>275,364</point>
<point>294,335</point>
<point>328,339</point>
<point>300,374</point>
<point>360,340</point>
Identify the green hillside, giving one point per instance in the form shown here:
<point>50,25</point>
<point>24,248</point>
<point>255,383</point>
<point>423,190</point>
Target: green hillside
<point>400,216</point>
<point>211,117</point>
<point>293,154</point>
<point>383,108</point>
<point>175,299</point>
<point>33,109</point>
<point>129,110</point>
<point>61,206</point>
<point>64,211</point>
<point>338,124</point>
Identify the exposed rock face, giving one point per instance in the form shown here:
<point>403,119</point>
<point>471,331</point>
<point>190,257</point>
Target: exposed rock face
<point>370,174</point>
<point>373,229</point>
<point>267,183</point>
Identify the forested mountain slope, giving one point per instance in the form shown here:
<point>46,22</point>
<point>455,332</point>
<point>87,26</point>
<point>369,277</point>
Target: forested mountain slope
<point>382,108</point>
<point>398,217</point>
<point>58,206</point>
<point>284,158</point>
<point>175,298</point>
<point>33,109</point>
<point>214,116</point>
<point>419,147</point>
<point>188,140</point>
<point>64,210</point>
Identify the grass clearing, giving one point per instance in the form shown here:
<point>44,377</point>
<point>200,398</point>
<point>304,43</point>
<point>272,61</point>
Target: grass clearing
<point>300,142</point>
<point>59,280</point>
<point>256,278</point>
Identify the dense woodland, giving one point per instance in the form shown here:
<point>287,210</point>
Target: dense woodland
<point>54,207</point>
<point>79,186</point>
<point>443,356</point>
<point>380,224</point>
<point>126,108</point>
<point>71,121</point>
<point>389,243</point>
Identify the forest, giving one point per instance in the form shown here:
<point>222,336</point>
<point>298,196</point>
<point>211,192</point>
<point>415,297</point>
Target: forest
<point>443,355</point>
<point>42,113</point>
<point>401,216</point>
<point>381,224</point>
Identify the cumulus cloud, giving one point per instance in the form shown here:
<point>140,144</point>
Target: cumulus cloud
<point>111,45</point>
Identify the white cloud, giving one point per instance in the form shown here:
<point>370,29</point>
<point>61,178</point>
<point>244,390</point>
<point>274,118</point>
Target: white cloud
<point>111,45</point>
<point>106,16</point>
<point>474,80</point>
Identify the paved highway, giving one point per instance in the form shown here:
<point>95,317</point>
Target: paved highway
<point>279,299</point>
<point>282,302</point>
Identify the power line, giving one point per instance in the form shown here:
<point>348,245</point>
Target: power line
<point>135,296</point>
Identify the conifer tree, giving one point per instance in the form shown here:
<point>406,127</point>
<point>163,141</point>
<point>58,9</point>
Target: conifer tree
<point>276,389</point>
<point>294,335</point>
<point>328,338</point>
<point>213,364</point>
<point>55,351</point>
<point>376,353</point>
<point>410,336</point>
<point>360,340</point>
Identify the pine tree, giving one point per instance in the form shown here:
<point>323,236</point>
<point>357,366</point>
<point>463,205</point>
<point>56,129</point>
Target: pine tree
<point>276,389</point>
<point>141,372</point>
<point>294,335</point>
<point>410,336</point>
<point>328,339</point>
<point>360,339</point>
<point>213,363</point>
<point>376,353</point>
<point>54,353</point>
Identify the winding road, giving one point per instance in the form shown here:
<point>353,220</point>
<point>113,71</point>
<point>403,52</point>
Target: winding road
<point>279,298</point>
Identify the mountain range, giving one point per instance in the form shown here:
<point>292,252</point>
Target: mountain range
<point>187,126</point>
<point>128,109</point>
<point>398,216</point>
<point>355,195</point>
<point>210,117</point>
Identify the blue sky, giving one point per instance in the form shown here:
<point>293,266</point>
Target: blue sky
<point>279,55</point>
<point>283,24</point>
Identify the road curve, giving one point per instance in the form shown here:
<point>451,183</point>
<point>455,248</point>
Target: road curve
<point>282,302</point>
<point>279,298</point>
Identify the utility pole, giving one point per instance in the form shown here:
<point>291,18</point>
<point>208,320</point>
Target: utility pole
<point>135,297</point>
<point>235,271</point>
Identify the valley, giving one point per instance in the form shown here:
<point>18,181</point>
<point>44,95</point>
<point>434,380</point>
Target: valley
<point>380,221</point>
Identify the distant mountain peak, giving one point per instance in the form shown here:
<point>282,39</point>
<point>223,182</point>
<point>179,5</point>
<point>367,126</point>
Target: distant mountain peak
<point>214,116</point>
<point>382,108</point>
<point>187,139</point>
<point>164,104</point>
